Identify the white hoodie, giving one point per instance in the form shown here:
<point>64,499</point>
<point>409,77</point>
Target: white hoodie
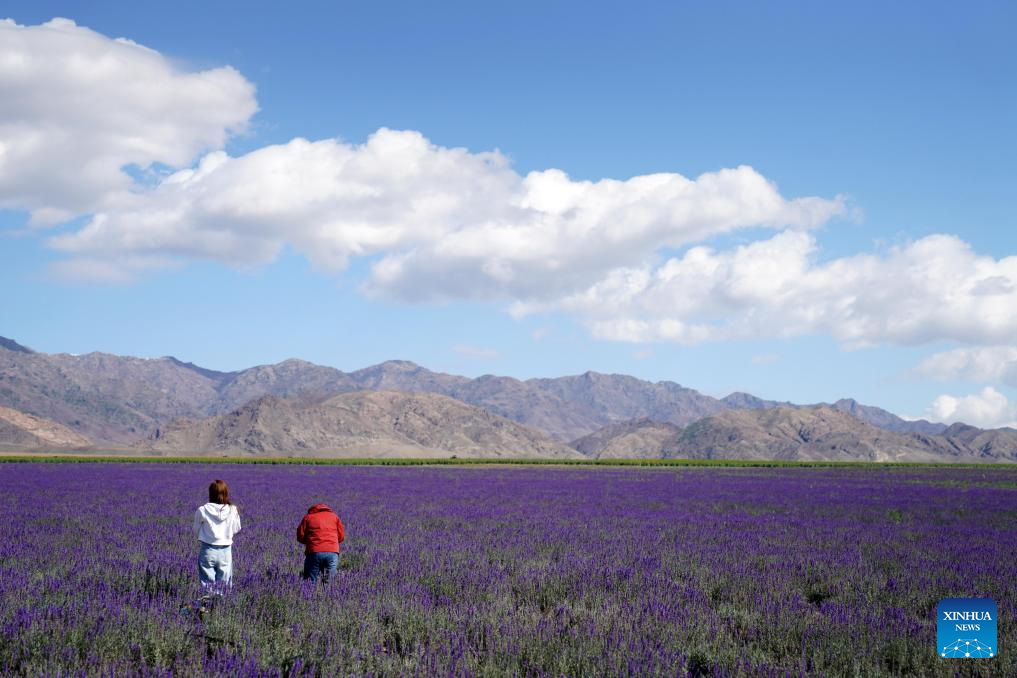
<point>215,524</point>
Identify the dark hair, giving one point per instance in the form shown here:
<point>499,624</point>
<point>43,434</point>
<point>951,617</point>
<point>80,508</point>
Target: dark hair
<point>219,492</point>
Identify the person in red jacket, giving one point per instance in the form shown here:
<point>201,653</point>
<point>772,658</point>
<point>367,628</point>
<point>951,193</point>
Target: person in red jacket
<point>321,532</point>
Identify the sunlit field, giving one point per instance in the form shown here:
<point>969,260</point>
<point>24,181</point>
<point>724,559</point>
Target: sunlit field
<point>719,571</point>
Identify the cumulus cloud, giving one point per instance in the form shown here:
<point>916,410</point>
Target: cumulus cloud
<point>554,235</point>
<point>931,289</point>
<point>326,199</point>
<point>997,364</point>
<point>987,409</point>
<point>77,107</point>
<point>444,223</point>
<point>78,110</point>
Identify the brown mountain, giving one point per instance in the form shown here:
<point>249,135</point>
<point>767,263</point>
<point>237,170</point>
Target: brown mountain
<point>521,401</point>
<point>364,423</point>
<point>803,433</point>
<point>739,400</point>
<point>117,400</point>
<point>25,431</point>
<point>880,418</point>
<point>989,443</point>
<point>565,407</point>
<point>875,416</point>
<point>635,439</point>
<point>812,433</point>
<point>608,398</point>
<point>107,398</point>
<point>403,375</point>
<point>288,378</point>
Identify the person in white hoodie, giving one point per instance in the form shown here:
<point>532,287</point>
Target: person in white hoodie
<point>215,523</point>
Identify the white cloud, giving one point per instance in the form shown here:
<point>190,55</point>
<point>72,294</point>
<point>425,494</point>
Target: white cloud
<point>987,409</point>
<point>642,354</point>
<point>932,289</point>
<point>76,107</point>
<point>554,235</point>
<point>997,364</point>
<point>765,359</point>
<point>327,199</point>
<point>477,352</point>
<point>447,223</point>
<point>91,125</point>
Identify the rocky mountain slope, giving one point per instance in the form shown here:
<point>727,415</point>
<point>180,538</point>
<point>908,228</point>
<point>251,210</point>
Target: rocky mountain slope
<point>363,423</point>
<point>103,397</point>
<point>875,416</point>
<point>799,433</point>
<point>880,418</point>
<point>635,439</point>
<point>813,433</point>
<point>118,400</point>
<point>565,407</point>
<point>24,431</point>
<point>991,443</point>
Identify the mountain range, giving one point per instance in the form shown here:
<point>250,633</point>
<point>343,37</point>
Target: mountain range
<point>363,423</point>
<point>796,433</point>
<point>165,404</point>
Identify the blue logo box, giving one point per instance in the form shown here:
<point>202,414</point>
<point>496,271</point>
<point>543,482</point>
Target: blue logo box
<point>966,628</point>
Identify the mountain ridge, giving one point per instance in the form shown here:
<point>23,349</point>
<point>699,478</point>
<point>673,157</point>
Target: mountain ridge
<point>381,423</point>
<point>817,432</point>
<point>119,400</point>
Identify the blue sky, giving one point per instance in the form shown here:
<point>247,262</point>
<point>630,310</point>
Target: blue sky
<point>865,253</point>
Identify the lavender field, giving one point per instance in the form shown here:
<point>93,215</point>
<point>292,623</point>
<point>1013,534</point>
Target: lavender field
<point>507,570</point>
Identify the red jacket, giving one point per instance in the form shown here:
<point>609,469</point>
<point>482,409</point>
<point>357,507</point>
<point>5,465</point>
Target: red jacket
<point>321,530</point>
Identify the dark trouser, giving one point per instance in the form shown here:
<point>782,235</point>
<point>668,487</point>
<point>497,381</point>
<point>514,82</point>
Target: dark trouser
<point>324,564</point>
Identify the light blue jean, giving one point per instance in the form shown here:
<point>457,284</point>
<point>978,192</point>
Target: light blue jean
<point>320,564</point>
<point>215,564</point>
